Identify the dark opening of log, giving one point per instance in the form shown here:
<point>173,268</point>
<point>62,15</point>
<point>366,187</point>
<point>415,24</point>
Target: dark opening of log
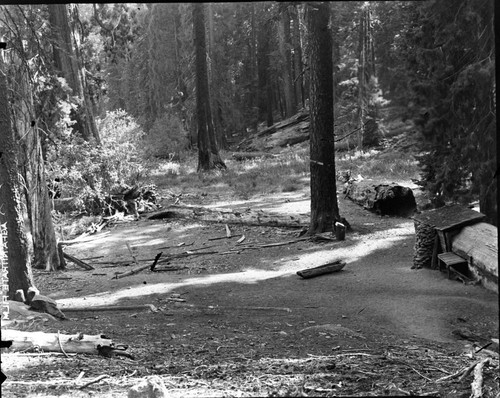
<point>384,199</point>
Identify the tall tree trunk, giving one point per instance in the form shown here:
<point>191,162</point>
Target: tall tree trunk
<point>297,57</point>
<point>362,105</point>
<point>284,45</point>
<point>367,85</point>
<point>324,205</point>
<point>66,59</point>
<point>32,166</point>
<point>208,152</point>
<point>19,266</point>
<point>265,93</point>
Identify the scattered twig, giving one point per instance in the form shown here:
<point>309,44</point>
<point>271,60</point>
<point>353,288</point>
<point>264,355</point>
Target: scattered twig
<point>96,380</point>
<point>155,261</point>
<point>241,239</point>
<point>77,380</point>
<point>132,254</point>
<point>224,237</point>
<point>60,344</point>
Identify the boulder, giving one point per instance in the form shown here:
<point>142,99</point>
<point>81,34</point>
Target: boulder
<point>45,304</point>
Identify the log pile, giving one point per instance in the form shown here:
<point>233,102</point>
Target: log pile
<point>425,236</point>
<point>384,199</point>
<point>435,229</point>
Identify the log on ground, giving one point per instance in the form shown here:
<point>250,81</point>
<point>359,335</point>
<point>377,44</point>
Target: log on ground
<point>384,199</point>
<point>52,342</point>
<point>252,218</point>
<point>322,269</point>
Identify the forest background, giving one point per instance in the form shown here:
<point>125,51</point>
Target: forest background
<point>100,94</point>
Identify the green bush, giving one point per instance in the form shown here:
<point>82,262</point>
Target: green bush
<point>167,139</point>
<point>87,172</point>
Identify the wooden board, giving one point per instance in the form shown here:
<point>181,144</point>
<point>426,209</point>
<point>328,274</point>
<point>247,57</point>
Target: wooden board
<point>449,217</point>
<point>322,269</point>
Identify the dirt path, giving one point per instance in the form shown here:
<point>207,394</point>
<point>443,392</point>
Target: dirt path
<point>252,305</point>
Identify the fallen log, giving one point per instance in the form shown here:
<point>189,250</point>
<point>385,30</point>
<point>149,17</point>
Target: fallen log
<point>78,262</point>
<point>384,199</point>
<point>55,342</point>
<point>240,156</point>
<point>322,269</point>
<point>112,308</point>
<point>251,218</point>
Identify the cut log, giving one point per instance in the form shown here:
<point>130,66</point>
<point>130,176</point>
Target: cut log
<point>384,199</point>
<point>322,269</point>
<point>478,244</point>
<point>52,342</point>
<point>252,218</point>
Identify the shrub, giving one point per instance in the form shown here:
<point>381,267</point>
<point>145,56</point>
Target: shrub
<point>167,139</point>
<point>87,172</point>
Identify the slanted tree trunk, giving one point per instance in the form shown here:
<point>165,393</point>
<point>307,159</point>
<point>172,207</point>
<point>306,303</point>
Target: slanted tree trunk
<point>324,206</point>
<point>284,46</point>
<point>66,61</point>
<point>208,152</point>
<point>33,169</point>
<point>19,266</point>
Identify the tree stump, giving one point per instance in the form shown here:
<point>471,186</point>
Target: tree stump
<point>384,199</point>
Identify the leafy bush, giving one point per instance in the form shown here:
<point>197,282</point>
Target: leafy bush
<point>87,172</point>
<point>167,139</point>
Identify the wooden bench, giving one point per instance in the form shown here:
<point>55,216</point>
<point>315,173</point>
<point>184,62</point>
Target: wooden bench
<point>453,261</point>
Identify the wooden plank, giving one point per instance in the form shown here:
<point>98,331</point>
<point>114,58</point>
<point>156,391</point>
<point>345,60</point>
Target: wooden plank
<point>451,258</point>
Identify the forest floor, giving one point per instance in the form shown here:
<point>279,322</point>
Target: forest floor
<point>249,325</point>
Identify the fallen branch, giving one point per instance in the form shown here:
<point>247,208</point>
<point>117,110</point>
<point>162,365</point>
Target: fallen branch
<point>224,237</point>
<point>78,262</point>
<point>112,308</point>
<point>155,261</point>
<point>96,380</point>
<point>216,307</point>
<point>131,272</point>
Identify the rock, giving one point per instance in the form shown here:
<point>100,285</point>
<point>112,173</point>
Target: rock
<point>45,304</point>
<point>152,387</point>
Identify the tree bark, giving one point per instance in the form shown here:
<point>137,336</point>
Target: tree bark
<point>284,45</point>
<point>66,61</point>
<point>208,152</point>
<point>19,265</point>
<point>324,205</point>
<point>35,184</point>
<point>264,79</point>
<point>297,57</point>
